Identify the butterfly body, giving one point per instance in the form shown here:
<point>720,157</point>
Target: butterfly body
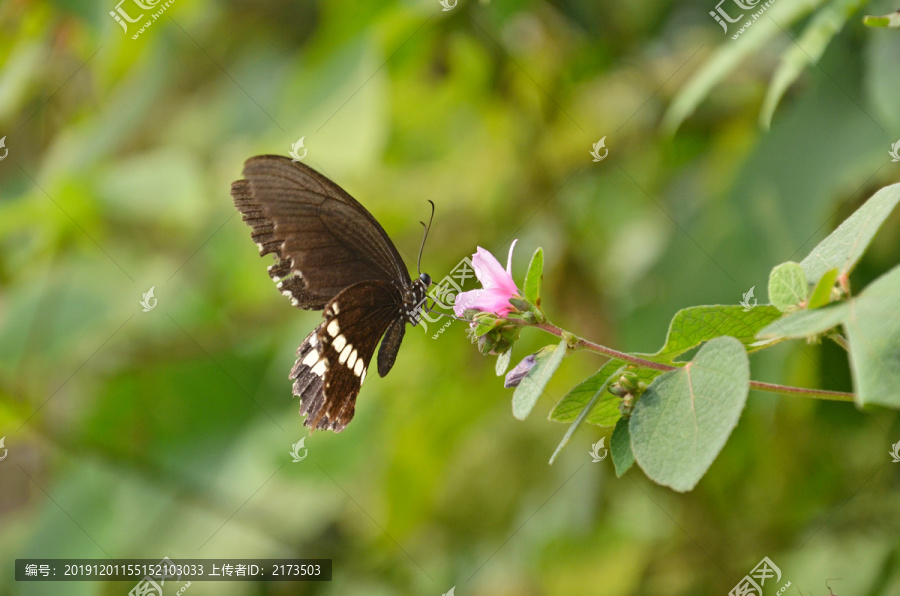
<point>331,254</point>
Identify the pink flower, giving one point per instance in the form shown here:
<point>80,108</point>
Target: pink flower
<point>498,284</point>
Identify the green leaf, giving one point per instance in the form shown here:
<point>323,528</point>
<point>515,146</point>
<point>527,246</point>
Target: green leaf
<point>805,51</point>
<point>534,276</point>
<point>620,447</point>
<point>806,323</point>
<point>788,286</point>
<point>584,412</point>
<point>872,324</point>
<point>873,330</point>
<point>606,411</point>
<point>889,20</point>
<point>692,326</point>
<point>546,361</point>
<point>482,329</point>
<point>821,294</point>
<point>844,247</point>
<point>520,304</point>
<point>503,362</point>
<point>680,424</point>
<point>729,55</point>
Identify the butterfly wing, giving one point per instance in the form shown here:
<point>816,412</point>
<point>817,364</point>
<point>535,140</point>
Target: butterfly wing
<point>390,345</point>
<point>333,360</point>
<point>328,237</point>
<point>289,282</point>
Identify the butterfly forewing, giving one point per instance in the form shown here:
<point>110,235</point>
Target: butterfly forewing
<point>289,281</point>
<point>326,233</point>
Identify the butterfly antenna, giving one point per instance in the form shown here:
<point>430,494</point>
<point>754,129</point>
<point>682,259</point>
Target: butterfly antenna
<point>424,238</point>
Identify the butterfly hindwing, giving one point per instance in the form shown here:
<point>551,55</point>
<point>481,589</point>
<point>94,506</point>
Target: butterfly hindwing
<point>332,362</point>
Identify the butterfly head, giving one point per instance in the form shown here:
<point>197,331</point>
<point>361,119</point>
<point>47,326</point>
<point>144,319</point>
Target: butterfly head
<point>425,279</point>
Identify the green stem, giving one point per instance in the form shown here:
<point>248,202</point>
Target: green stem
<point>759,385</point>
<point>840,340</point>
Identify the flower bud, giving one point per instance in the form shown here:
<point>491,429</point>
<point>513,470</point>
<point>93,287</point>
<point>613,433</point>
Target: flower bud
<point>515,376</point>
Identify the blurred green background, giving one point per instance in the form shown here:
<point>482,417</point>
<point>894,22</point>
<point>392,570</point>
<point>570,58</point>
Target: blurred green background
<point>166,433</point>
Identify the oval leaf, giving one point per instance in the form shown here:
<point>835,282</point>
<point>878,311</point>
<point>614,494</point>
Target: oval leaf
<point>692,326</point>
<point>684,418</point>
<point>503,362</point>
<point>606,410</point>
<point>873,329</point>
<point>534,276</point>
<point>788,287</point>
<point>620,447</point>
<point>806,323</point>
<point>546,361</point>
<point>821,294</point>
<point>843,247</point>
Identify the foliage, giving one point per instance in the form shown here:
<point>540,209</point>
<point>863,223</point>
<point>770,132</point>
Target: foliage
<point>679,421</point>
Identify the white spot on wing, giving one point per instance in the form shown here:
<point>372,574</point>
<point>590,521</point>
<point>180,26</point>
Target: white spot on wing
<point>339,342</point>
<point>333,328</point>
<point>359,368</point>
<point>345,353</point>
<point>319,368</point>
<point>351,360</point>
<point>311,358</point>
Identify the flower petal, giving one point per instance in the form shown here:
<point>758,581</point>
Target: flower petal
<point>495,300</point>
<point>509,259</point>
<point>488,269</point>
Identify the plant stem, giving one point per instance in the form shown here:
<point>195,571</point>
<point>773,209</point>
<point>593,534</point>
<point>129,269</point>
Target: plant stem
<point>758,385</point>
<point>840,340</point>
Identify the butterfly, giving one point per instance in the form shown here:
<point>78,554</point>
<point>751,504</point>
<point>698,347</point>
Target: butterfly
<point>330,254</point>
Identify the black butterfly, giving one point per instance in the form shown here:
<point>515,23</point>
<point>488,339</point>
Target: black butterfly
<point>329,253</point>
